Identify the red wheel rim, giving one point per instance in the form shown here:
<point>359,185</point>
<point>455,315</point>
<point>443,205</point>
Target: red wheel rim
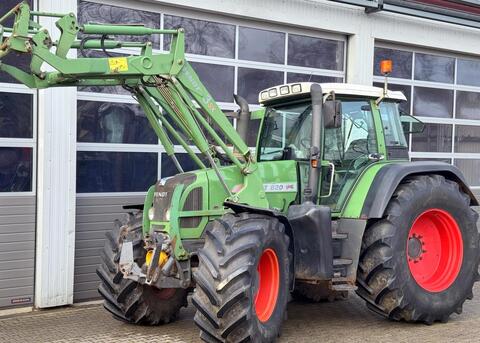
<point>268,273</point>
<point>435,250</point>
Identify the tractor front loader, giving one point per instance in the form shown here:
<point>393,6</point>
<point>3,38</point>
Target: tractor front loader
<point>327,203</point>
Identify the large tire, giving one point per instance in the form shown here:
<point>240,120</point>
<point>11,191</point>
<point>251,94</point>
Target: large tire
<point>419,262</point>
<point>317,293</point>
<point>232,302</point>
<point>126,299</point>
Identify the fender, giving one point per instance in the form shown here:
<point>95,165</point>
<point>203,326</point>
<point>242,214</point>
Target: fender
<point>390,176</point>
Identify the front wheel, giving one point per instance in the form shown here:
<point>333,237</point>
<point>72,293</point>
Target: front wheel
<point>128,300</point>
<point>242,279</point>
<point>419,262</point>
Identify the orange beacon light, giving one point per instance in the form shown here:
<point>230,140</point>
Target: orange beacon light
<point>386,67</point>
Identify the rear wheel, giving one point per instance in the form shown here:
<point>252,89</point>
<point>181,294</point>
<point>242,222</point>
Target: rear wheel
<point>126,299</point>
<point>242,279</point>
<point>419,263</point>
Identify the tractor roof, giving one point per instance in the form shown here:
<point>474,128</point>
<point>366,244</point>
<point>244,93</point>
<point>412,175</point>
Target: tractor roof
<point>302,89</point>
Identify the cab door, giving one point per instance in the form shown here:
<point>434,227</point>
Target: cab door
<point>286,135</point>
<point>349,149</point>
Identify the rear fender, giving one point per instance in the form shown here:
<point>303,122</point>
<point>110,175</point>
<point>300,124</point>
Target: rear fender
<point>390,176</point>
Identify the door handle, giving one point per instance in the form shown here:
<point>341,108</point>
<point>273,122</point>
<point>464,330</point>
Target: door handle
<point>330,188</point>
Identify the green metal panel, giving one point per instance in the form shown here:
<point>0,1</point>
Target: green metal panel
<point>354,204</point>
<point>283,174</point>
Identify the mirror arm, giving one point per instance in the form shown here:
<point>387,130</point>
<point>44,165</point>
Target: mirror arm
<point>385,90</point>
<point>380,99</point>
<point>330,94</point>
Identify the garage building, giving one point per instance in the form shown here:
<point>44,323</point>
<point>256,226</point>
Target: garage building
<point>70,158</point>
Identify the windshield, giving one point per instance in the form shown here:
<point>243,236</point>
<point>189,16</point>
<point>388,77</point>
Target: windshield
<point>287,133</point>
<point>286,130</point>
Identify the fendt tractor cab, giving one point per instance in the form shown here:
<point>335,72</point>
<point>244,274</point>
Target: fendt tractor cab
<point>327,202</point>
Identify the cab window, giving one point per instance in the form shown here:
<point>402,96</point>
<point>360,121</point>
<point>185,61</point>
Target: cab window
<point>286,133</point>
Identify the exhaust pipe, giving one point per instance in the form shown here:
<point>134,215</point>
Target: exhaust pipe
<point>243,116</point>
<point>311,191</point>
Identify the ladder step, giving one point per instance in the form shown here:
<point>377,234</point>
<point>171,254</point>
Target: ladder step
<point>337,235</point>
<point>341,262</point>
<point>340,279</point>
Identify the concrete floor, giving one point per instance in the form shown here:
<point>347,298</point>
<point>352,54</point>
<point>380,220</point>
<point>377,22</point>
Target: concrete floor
<point>343,321</point>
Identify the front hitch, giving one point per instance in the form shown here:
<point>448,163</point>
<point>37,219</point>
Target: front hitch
<point>128,266</point>
<point>161,269</point>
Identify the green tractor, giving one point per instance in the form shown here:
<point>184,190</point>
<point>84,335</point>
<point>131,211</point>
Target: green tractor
<point>327,202</point>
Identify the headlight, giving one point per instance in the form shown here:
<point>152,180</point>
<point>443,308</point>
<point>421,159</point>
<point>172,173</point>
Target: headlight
<point>167,215</point>
<point>151,213</point>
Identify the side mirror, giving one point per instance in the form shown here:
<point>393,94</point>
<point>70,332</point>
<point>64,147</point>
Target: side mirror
<point>332,114</point>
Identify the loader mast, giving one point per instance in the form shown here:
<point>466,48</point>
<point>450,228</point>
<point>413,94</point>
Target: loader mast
<point>156,80</point>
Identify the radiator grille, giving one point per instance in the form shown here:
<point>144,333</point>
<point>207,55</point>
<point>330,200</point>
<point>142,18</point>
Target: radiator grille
<point>192,203</point>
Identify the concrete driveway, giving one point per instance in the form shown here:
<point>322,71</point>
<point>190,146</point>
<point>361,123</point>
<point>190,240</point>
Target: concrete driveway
<point>344,321</point>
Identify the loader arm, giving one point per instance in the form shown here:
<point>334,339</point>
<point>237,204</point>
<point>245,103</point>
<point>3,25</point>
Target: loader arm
<point>156,80</point>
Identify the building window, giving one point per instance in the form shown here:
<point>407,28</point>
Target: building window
<point>432,102</point>
<point>168,169</point>
<point>443,90</point>
<point>312,52</point>
<point>229,55</point>
<point>402,60</point>
<point>105,172</point>
<point>467,139</point>
<point>252,81</point>
<point>110,122</point>
<point>203,37</point>
<point>434,138</point>
<point>16,115</point>
<point>16,169</point>
<point>261,45</point>
<point>117,148</point>
<point>434,68</point>
<point>219,79</point>
<point>468,72</point>
<point>91,12</point>
<point>467,105</point>
<point>17,140</point>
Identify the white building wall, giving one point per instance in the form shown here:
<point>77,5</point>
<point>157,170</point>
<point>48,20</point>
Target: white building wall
<point>56,184</point>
